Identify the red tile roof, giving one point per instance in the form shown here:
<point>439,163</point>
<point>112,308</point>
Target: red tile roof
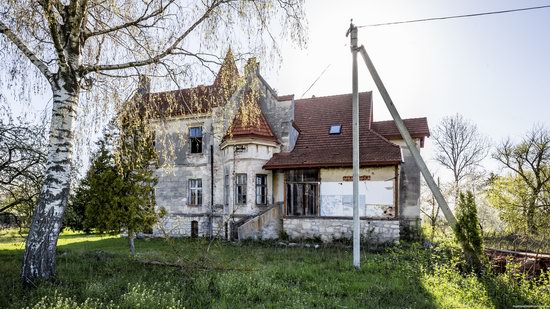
<point>197,100</point>
<point>250,121</point>
<point>188,101</point>
<point>315,147</point>
<point>418,128</point>
<point>287,97</point>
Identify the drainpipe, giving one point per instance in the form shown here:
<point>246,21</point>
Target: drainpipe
<point>211,191</point>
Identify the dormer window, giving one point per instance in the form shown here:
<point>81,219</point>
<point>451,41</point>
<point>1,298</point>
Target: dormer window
<point>335,129</point>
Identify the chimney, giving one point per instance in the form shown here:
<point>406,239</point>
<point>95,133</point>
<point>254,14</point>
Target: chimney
<point>144,85</point>
<point>252,66</point>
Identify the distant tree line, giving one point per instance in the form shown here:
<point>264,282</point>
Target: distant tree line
<point>22,162</point>
<point>515,201</point>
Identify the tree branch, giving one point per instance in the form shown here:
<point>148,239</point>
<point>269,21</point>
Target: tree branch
<point>26,51</point>
<point>155,59</point>
<point>54,31</point>
<point>134,23</point>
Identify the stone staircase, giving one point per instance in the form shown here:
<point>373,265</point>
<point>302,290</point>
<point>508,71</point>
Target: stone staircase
<point>265,225</point>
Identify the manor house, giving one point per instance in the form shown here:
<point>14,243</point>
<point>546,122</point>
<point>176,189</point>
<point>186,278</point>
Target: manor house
<point>237,160</point>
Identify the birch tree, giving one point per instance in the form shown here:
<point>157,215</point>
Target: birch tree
<point>76,46</point>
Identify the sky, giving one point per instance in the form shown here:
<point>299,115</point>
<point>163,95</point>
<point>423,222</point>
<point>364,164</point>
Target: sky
<point>494,70</point>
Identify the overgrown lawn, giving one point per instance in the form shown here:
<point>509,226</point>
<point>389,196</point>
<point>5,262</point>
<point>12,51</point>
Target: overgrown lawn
<point>97,272</point>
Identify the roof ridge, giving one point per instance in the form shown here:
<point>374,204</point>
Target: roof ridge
<point>383,138</point>
<point>332,96</point>
<point>265,120</point>
<point>182,89</point>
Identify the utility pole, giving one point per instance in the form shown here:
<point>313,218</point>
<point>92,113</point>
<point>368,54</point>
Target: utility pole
<point>408,139</point>
<point>355,102</point>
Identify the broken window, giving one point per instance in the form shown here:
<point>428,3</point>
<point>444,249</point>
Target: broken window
<point>195,139</point>
<point>195,192</point>
<point>240,189</point>
<point>261,189</point>
<point>302,189</point>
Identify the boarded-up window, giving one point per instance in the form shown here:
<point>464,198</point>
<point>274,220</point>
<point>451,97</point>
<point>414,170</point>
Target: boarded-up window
<point>375,198</point>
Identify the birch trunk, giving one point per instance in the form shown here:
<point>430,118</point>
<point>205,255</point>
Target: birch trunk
<point>39,258</point>
<point>131,238</point>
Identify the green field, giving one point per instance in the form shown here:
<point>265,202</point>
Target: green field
<point>97,272</point>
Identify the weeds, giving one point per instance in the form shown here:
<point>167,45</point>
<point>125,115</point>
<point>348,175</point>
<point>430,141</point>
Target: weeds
<point>96,272</point>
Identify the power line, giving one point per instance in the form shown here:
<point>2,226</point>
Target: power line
<point>456,16</point>
<point>315,81</point>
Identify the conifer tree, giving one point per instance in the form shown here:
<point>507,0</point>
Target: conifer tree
<point>118,188</point>
<point>468,230</point>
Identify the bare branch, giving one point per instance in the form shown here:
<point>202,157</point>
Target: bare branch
<point>26,51</point>
<point>134,23</point>
<point>54,31</point>
<point>155,59</point>
<point>460,147</point>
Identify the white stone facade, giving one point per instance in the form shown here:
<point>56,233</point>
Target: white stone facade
<point>217,166</point>
<point>222,159</point>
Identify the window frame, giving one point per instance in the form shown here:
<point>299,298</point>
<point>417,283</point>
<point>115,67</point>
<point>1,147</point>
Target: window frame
<point>194,228</point>
<point>195,139</point>
<point>261,186</point>
<point>226,189</point>
<point>335,125</point>
<point>194,191</point>
<point>240,198</point>
<point>302,190</point>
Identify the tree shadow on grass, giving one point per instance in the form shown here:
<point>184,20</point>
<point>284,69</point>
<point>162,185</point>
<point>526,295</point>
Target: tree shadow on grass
<point>505,292</point>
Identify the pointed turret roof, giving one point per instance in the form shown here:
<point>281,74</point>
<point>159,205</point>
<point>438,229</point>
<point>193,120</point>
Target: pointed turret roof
<point>250,120</point>
<point>228,72</point>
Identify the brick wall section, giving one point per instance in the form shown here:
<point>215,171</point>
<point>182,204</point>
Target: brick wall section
<point>376,231</point>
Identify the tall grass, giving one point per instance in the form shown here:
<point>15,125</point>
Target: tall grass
<point>97,272</point>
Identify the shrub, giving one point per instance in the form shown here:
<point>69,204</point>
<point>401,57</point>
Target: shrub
<point>468,231</point>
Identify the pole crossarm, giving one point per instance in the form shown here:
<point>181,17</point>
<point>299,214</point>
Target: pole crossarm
<point>408,139</point>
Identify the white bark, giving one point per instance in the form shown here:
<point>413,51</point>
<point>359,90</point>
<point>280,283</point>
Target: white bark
<point>39,258</point>
<point>131,238</point>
